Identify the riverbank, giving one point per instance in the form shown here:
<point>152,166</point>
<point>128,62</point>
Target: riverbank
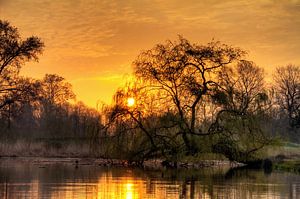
<point>290,166</point>
<point>285,158</point>
<point>77,162</point>
<point>80,153</point>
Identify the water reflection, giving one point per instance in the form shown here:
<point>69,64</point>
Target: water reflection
<point>85,182</point>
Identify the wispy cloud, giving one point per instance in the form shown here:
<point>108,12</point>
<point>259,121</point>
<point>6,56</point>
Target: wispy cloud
<point>85,38</point>
<point>113,77</point>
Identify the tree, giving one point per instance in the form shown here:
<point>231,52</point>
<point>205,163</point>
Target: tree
<point>24,112</point>
<point>287,88</point>
<point>143,140</point>
<point>243,113</point>
<point>55,94</point>
<point>195,98</point>
<point>55,90</point>
<point>14,52</point>
<point>173,81</point>
<point>242,87</point>
<point>25,92</point>
<point>185,73</point>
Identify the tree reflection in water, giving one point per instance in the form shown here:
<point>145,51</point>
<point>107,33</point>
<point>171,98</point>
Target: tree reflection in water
<point>63,181</point>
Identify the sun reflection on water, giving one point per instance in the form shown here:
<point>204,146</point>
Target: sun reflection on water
<point>129,191</point>
<point>126,184</point>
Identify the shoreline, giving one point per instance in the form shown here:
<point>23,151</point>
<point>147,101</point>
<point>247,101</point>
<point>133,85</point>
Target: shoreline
<point>86,161</point>
<point>292,166</point>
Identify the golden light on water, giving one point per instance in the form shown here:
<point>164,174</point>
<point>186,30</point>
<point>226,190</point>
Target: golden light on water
<point>130,101</point>
<point>125,184</point>
<point>129,191</point>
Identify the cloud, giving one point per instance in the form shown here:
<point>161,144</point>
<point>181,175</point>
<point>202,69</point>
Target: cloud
<point>113,77</point>
<point>86,38</point>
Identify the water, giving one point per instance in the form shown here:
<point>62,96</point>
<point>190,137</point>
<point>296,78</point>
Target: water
<point>21,180</point>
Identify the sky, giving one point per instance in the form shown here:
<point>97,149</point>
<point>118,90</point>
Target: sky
<point>92,43</point>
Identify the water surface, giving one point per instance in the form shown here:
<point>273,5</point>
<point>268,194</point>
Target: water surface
<point>20,180</point>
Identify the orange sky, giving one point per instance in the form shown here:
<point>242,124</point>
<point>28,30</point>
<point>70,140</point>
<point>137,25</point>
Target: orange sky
<point>93,42</point>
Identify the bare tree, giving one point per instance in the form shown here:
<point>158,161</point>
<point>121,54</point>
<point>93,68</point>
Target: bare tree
<point>244,110</point>
<point>185,73</point>
<point>287,88</point>
<point>178,77</point>
<point>195,98</point>
<point>25,93</point>
<point>13,53</point>
<point>56,90</point>
<point>243,87</point>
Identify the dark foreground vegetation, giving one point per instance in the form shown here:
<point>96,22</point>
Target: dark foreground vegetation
<point>191,102</point>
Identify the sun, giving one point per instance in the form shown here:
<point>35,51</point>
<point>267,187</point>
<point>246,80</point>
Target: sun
<point>130,101</point>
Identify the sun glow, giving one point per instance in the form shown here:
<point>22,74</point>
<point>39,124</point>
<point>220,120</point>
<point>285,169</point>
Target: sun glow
<point>129,191</point>
<point>130,101</point>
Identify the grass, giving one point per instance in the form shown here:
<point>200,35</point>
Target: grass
<point>286,157</point>
<point>43,149</point>
<point>286,149</point>
<point>290,166</point>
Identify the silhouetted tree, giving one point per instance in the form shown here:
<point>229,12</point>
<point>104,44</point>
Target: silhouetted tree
<point>25,92</point>
<point>55,93</point>
<point>185,73</point>
<point>242,87</point>
<point>243,111</point>
<point>195,98</point>
<point>56,90</point>
<point>13,53</point>
<point>287,88</point>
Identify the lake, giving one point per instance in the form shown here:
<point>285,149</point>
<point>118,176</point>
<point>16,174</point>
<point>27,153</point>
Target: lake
<point>23,180</point>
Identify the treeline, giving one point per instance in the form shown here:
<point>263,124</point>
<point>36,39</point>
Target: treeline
<point>185,100</point>
<point>37,110</point>
<point>45,109</point>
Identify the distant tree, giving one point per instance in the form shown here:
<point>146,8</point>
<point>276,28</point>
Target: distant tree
<point>24,98</point>
<point>14,52</point>
<point>23,110</point>
<point>242,87</point>
<point>287,88</point>
<point>243,113</point>
<point>56,90</point>
<point>55,94</point>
